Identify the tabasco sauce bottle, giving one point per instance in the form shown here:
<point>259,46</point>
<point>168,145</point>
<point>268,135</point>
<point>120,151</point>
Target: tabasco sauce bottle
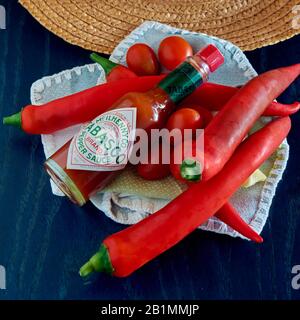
<point>90,160</point>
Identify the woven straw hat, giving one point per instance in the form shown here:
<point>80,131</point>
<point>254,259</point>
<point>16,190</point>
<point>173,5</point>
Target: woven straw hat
<point>100,25</point>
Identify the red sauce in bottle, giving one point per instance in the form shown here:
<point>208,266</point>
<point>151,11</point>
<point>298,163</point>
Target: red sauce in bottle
<point>152,109</point>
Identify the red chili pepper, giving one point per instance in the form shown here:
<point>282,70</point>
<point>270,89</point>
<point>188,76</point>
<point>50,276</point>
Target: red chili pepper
<point>214,96</point>
<point>77,108</point>
<point>230,126</point>
<point>88,104</point>
<point>155,169</point>
<point>113,71</point>
<point>282,110</point>
<point>126,251</point>
<point>227,213</point>
<point>232,218</point>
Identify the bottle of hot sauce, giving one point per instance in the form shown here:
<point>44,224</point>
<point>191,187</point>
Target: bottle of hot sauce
<point>89,161</point>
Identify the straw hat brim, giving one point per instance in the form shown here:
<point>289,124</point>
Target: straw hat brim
<point>100,25</point>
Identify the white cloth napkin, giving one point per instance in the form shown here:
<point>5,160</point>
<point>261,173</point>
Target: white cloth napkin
<point>253,203</point>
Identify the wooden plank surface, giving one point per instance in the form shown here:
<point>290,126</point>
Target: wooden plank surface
<point>44,239</point>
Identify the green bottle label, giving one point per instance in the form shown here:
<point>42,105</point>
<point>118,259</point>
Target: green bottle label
<point>181,82</point>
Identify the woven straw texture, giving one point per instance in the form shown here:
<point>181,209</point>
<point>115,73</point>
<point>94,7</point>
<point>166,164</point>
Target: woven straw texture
<point>100,25</point>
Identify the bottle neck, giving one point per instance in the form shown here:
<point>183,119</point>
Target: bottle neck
<point>186,78</point>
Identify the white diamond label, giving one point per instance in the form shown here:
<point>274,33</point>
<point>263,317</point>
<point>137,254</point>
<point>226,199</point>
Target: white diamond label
<point>105,143</point>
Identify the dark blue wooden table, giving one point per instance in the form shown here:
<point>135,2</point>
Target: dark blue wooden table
<point>44,239</point>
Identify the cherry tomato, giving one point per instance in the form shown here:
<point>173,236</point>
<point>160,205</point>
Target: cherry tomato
<point>185,118</point>
<point>154,169</point>
<point>173,50</point>
<point>205,114</point>
<point>141,59</point>
<point>151,171</point>
<point>120,72</point>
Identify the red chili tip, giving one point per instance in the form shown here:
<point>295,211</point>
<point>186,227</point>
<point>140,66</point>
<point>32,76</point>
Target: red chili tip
<point>296,105</point>
<point>257,238</point>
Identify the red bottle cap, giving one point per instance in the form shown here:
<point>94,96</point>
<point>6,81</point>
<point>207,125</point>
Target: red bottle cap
<point>212,56</point>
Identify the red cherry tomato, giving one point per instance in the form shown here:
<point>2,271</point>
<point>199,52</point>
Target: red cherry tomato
<point>141,59</point>
<point>151,171</point>
<point>154,169</point>
<point>120,72</point>
<point>205,114</point>
<point>185,118</point>
<point>173,50</point>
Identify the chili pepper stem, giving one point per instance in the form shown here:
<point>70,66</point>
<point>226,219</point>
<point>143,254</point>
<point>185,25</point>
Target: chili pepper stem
<point>86,269</point>
<point>190,169</point>
<point>13,120</point>
<point>99,262</point>
<point>106,64</point>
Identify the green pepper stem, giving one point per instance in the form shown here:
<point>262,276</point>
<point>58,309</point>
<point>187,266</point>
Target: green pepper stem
<point>99,262</point>
<point>13,120</point>
<point>190,170</point>
<point>106,64</point>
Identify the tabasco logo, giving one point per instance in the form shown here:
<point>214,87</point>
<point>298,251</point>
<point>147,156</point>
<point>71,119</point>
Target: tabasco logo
<point>105,143</point>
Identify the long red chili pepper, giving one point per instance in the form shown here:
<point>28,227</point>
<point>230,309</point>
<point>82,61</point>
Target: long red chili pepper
<point>88,104</point>
<point>230,126</point>
<point>113,71</point>
<point>214,96</point>
<point>155,169</point>
<point>124,252</point>
<point>77,108</point>
<point>229,215</point>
